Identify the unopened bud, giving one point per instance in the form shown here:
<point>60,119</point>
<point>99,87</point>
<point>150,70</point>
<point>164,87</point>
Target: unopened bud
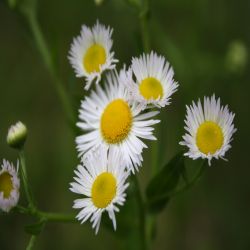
<point>17,135</point>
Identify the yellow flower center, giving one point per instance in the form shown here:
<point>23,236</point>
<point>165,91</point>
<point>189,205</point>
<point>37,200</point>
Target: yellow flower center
<point>6,185</point>
<point>209,137</point>
<point>103,190</point>
<point>116,121</point>
<point>151,88</point>
<point>93,58</point>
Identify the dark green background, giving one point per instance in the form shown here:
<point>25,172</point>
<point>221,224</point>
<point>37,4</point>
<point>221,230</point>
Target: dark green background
<point>196,37</point>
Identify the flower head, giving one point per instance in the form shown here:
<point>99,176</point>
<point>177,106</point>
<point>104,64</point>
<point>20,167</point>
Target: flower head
<point>154,83</point>
<point>9,186</point>
<point>90,53</point>
<point>209,129</point>
<point>102,182</point>
<point>17,135</point>
<point>109,119</point>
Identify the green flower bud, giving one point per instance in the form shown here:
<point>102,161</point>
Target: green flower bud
<point>237,57</point>
<point>17,135</point>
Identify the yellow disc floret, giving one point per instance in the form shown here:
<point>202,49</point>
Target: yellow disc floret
<point>94,57</point>
<point>6,185</point>
<point>209,137</point>
<point>151,88</point>
<point>103,190</point>
<point>116,121</point>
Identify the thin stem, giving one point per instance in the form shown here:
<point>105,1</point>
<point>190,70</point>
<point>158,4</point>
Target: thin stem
<point>49,217</point>
<point>25,180</point>
<point>150,220</point>
<point>57,217</point>
<point>141,211</point>
<point>31,242</point>
<point>143,16</point>
<point>46,56</point>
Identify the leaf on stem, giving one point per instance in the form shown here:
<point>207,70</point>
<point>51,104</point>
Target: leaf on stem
<point>160,187</point>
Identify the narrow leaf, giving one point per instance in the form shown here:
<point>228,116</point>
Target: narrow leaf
<point>164,183</point>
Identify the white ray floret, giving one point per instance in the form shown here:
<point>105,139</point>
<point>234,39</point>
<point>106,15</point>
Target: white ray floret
<point>150,80</point>
<point>108,118</point>
<point>90,53</point>
<point>9,186</point>
<point>209,129</point>
<point>102,182</point>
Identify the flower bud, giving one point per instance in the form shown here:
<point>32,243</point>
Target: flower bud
<point>17,135</point>
<point>236,57</point>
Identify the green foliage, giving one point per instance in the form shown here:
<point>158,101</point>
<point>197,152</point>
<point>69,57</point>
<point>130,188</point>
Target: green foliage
<point>160,187</point>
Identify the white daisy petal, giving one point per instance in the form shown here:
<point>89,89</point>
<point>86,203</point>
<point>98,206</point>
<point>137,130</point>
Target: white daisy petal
<point>9,186</point>
<point>153,84</point>
<point>209,129</point>
<point>119,124</point>
<point>107,188</point>
<point>90,53</point>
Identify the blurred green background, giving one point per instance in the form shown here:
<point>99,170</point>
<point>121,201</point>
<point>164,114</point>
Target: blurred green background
<point>206,41</point>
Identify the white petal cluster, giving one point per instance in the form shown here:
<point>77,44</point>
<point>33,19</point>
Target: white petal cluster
<point>11,173</point>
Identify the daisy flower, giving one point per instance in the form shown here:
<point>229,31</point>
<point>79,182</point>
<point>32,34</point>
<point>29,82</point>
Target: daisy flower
<point>90,53</point>
<point>9,186</point>
<point>154,83</point>
<point>209,129</point>
<point>109,119</point>
<point>102,182</point>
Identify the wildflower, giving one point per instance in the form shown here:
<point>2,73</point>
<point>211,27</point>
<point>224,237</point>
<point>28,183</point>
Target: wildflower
<point>9,186</point>
<point>102,182</point>
<point>154,83</point>
<point>109,119</point>
<point>209,129</point>
<point>90,53</point>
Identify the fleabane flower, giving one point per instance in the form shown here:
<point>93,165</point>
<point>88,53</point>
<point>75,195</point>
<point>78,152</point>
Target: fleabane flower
<point>102,183</point>
<point>209,129</point>
<point>9,186</point>
<point>90,53</point>
<point>150,80</point>
<point>108,118</point>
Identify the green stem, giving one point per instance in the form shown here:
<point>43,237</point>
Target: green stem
<point>49,217</point>
<point>46,56</point>
<point>141,211</point>
<point>31,242</point>
<point>143,16</point>
<point>25,180</point>
<point>57,217</point>
<point>150,220</point>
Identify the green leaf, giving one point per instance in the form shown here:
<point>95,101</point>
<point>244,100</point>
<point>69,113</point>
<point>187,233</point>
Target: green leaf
<point>35,228</point>
<point>160,187</point>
